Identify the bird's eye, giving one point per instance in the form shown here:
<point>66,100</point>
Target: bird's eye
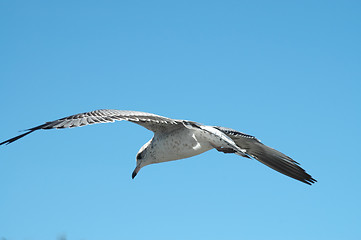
<point>139,155</point>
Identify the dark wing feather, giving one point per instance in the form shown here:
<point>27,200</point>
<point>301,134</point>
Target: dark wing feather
<point>150,121</point>
<point>268,156</point>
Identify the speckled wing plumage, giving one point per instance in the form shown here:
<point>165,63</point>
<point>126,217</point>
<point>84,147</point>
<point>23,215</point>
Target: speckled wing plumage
<point>268,156</point>
<point>150,121</point>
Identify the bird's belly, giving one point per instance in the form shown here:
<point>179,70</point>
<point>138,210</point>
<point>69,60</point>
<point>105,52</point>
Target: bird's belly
<point>179,145</point>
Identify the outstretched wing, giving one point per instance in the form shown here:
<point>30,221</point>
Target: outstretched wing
<point>268,156</point>
<point>150,121</point>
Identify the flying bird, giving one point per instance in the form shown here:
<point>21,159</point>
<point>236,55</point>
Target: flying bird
<point>177,139</point>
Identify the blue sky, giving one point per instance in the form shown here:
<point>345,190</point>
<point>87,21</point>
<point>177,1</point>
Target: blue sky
<point>287,72</point>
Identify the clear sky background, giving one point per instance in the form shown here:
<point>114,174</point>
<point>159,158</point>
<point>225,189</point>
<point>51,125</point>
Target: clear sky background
<point>287,72</point>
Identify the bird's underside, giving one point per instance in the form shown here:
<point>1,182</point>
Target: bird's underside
<point>222,139</point>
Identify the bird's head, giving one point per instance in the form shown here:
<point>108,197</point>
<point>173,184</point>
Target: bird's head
<point>143,158</point>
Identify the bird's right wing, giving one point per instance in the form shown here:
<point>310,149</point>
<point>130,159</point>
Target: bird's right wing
<point>150,121</point>
<point>268,156</point>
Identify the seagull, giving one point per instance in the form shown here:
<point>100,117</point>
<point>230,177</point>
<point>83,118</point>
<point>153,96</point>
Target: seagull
<point>177,139</point>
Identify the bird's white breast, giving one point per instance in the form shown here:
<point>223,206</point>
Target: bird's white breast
<point>183,143</point>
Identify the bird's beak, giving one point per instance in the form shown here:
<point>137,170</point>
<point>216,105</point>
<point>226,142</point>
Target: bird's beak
<point>135,172</point>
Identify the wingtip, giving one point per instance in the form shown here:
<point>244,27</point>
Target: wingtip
<point>309,181</point>
<point>7,142</point>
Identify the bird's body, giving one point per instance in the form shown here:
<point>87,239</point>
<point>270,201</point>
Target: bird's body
<point>178,139</point>
<point>183,143</point>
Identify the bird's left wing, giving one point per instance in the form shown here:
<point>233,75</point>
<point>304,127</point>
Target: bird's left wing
<point>150,121</point>
<point>268,156</point>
